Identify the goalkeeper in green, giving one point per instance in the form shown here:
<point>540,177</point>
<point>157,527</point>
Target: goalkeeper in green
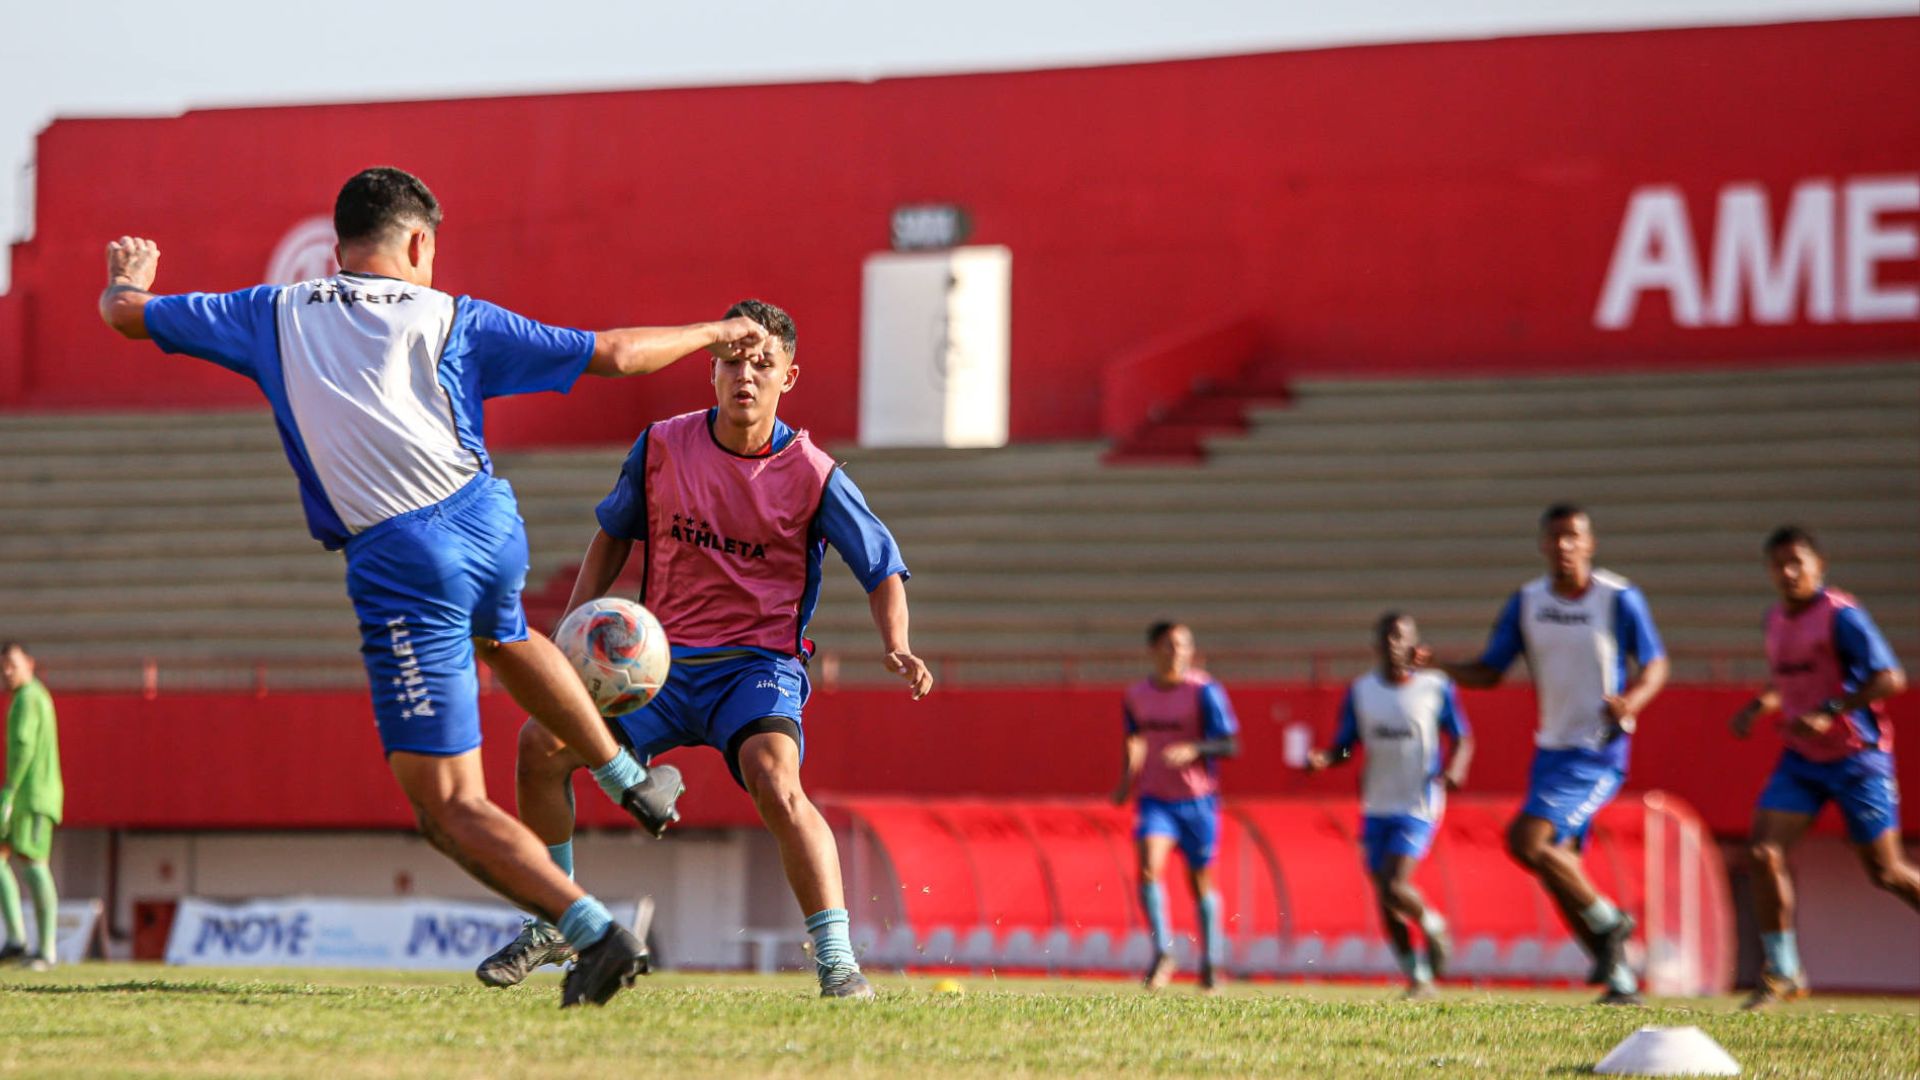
<point>30,805</point>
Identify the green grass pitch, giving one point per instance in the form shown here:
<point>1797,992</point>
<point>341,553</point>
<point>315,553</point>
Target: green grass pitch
<point>144,1020</point>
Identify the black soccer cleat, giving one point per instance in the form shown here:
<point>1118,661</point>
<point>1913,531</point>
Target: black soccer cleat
<point>603,969</point>
<point>537,945</point>
<point>1622,998</point>
<point>651,801</point>
<point>1612,951</point>
<point>845,983</point>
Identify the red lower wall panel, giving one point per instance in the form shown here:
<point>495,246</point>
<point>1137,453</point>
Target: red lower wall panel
<point>313,760</point>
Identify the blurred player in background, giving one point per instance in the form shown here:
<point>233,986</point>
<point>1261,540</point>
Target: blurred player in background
<point>31,801</point>
<point>1831,669</point>
<point>376,382</point>
<point>734,511</point>
<point>1179,725</point>
<point>1597,662</point>
<point>1398,715</point>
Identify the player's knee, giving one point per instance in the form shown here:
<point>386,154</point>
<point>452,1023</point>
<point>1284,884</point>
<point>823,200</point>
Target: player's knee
<point>776,791</point>
<point>1767,856</point>
<point>1526,848</point>
<point>541,754</point>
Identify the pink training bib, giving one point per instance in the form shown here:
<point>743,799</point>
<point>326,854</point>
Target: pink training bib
<point>727,536</point>
<point>1165,715</point>
<point>1807,673</point>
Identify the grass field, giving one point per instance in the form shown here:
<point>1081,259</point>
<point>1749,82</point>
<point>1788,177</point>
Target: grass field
<point>143,1020</point>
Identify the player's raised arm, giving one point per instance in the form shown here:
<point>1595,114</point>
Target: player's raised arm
<point>132,264</point>
<point>642,350</point>
<point>1504,645</point>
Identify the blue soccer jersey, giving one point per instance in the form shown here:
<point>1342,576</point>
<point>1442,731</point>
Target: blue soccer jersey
<point>375,384</point>
<point>1578,650</point>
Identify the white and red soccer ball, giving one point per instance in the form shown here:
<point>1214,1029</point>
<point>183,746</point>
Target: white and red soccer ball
<point>619,650</point>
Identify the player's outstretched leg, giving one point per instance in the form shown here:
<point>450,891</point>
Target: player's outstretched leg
<point>1532,843</point>
<point>769,764</point>
<point>543,792</point>
<point>449,798</point>
<point>538,676</point>
<point>1887,867</point>
<point>1153,852</point>
<point>1781,977</point>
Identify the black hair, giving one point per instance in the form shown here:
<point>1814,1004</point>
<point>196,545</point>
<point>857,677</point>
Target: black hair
<point>378,200</point>
<point>1386,621</point>
<point>8,646</point>
<point>1787,535</point>
<point>772,319</point>
<point>1561,511</point>
<point>1161,629</point>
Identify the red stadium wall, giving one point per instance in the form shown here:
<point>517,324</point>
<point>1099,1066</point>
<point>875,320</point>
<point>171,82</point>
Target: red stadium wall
<point>186,761</point>
<point>1716,195</point>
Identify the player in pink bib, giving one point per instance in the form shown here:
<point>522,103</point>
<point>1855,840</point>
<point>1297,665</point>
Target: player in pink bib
<point>1179,725</point>
<point>733,511</point>
<point>1831,670</point>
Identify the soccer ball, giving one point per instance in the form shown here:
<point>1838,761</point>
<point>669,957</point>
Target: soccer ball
<point>619,650</point>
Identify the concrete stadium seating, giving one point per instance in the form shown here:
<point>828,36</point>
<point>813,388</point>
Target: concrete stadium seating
<point>177,537</point>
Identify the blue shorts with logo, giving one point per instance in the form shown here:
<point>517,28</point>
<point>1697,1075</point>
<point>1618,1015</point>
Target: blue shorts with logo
<point>1194,824</point>
<point>1862,784</point>
<point>1383,836</point>
<point>425,583</point>
<point>711,702</point>
<point>1567,787</point>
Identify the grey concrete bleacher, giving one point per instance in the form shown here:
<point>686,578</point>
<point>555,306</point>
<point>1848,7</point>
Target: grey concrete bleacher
<point>177,539</point>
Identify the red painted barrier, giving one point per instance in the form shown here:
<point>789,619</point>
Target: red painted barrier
<point>313,761</point>
<point>983,892</point>
<point>1576,201</point>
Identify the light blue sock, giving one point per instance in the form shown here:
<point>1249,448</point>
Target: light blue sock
<point>832,949</point>
<point>619,774</point>
<point>585,922</point>
<point>1414,964</point>
<point>1621,980</point>
<point>1782,950</point>
<point>1213,939</point>
<point>562,855</point>
<point>1153,900</point>
<point>1600,916</point>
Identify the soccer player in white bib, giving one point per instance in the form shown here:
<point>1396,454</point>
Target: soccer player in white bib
<point>1597,662</point>
<point>376,380</point>
<point>731,511</point>
<point>1398,716</point>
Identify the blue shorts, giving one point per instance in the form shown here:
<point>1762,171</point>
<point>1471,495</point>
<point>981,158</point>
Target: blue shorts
<point>1192,823</point>
<point>1862,784</point>
<point>1387,835</point>
<point>1568,787</point>
<point>425,584</point>
<point>719,703</point>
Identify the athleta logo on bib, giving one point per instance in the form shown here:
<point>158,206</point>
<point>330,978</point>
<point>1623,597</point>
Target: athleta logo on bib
<point>333,294</point>
<point>1561,617</point>
<point>689,530</point>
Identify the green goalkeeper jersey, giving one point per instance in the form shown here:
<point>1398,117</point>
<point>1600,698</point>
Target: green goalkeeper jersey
<point>33,755</point>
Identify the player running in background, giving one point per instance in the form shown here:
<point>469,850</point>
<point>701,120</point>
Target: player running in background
<point>1179,725</point>
<point>1831,669</point>
<point>1584,632</point>
<point>734,511</point>
<point>376,381</point>
<point>1397,715</point>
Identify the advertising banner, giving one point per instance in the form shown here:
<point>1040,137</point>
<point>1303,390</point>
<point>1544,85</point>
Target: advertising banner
<point>332,932</point>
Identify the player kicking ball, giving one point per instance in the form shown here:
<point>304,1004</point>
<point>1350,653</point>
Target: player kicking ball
<point>1179,725</point>
<point>1397,715</point>
<point>733,511</point>
<point>376,380</point>
<point>1597,662</point>
<point>1831,670</point>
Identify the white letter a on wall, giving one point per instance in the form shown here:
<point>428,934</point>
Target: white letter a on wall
<point>1654,251</point>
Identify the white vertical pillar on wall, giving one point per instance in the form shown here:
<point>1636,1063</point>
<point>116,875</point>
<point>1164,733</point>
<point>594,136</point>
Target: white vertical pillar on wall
<point>934,332</point>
